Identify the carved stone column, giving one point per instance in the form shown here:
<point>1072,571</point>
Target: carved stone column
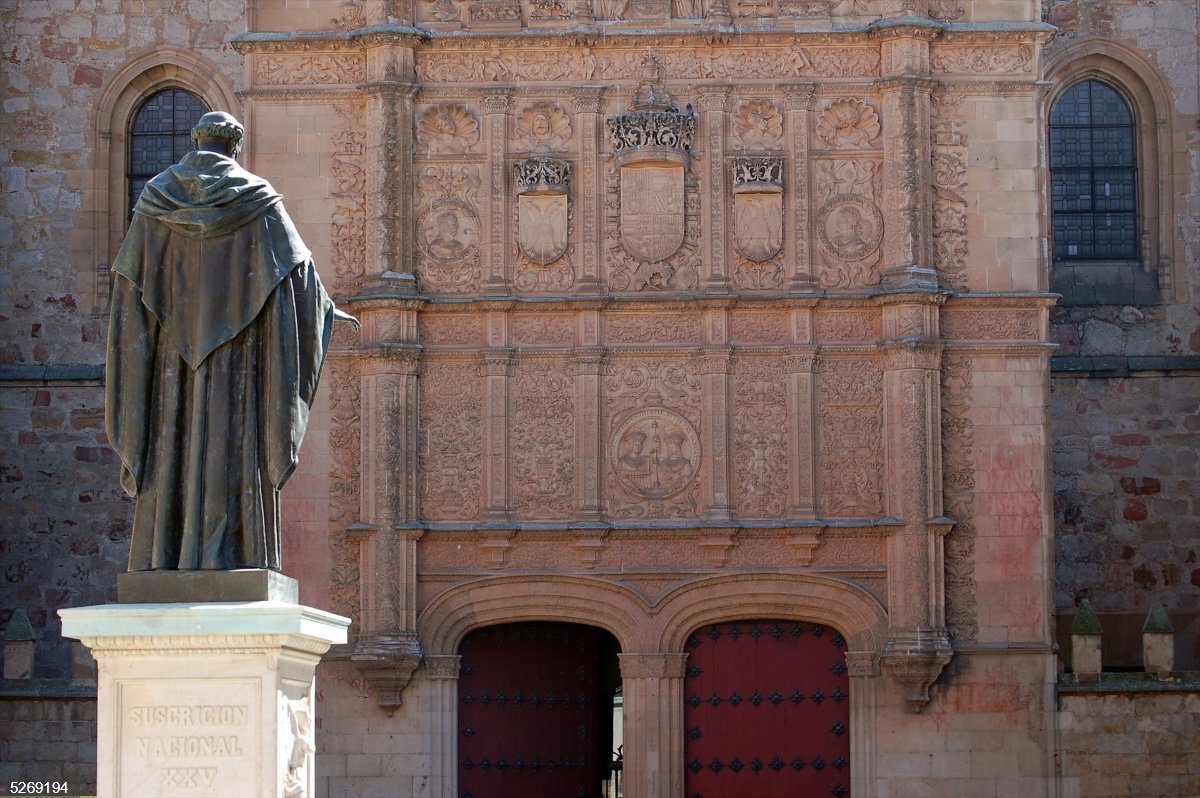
<point>714,191</point>
<point>387,650</point>
<point>802,442</point>
<point>652,685</point>
<point>907,168</point>
<point>918,646</point>
<point>495,103</point>
<point>715,368</point>
<point>589,382</point>
<point>863,670</point>
<point>588,102</point>
<point>798,103</point>
<point>442,670</point>
<point>498,367</point>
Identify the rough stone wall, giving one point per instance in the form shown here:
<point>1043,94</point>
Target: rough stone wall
<point>1126,743</point>
<point>45,738</point>
<point>1125,386</point>
<point>62,513</point>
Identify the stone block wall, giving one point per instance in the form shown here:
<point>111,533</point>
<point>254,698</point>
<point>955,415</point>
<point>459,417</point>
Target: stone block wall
<point>46,736</point>
<point>1126,742</point>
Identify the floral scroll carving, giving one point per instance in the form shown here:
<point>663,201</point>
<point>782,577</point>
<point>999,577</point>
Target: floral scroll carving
<point>447,129</point>
<point>758,125</point>
<point>344,482</point>
<point>760,439</point>
<point>349,252</point>
<point>958,495</point>
<point>849,124</point>
<point>451,418</point>
<point>850,414</point>
<point>949,153</point>
<point>542,127</point>
<point>543,446</point>
<point>982,60</point>
<point>310,70</point>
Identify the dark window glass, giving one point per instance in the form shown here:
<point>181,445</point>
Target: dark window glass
<point>160,135</point>
<point>1093,175</point>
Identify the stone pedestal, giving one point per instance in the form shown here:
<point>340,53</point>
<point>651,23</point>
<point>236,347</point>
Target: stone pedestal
<point>205,700</point>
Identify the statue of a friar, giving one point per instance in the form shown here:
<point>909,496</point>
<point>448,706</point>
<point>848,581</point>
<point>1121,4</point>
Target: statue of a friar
<point>218,332</point>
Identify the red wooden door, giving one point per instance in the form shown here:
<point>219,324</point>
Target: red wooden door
<point>766,712</point>
<point>528,711</point>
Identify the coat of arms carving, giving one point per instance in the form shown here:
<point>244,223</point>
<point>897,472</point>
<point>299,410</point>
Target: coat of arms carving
<point>758,207</point>
<point>542,210</point>
<point>652,220</point>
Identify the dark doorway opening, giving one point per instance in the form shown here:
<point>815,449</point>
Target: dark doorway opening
<point>535,711</point>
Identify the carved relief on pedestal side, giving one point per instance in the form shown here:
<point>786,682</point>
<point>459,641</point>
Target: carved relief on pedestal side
<point>847,326</point>
<point>654,452</point>
<point>849,224</point>
<point>451,424</point>
<point>543,440</point>
<point>298,744</point>
<point>443,129</point>
<point>850,415</point>
<point>349,233</point>
<point>757,125</point>
<point>949,154</point>
<point>448,230</point>
<point>310,70</point>
<point>958,497</point>
<point>542,127</point>
<point>849,124</point>
<point>543,222</point>
<point>760,439</point>
<point>344,483</point>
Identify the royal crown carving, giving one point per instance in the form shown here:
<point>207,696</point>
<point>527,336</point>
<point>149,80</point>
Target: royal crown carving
<point>650,131</point>
<point>757,174</point>
<point>542,175</point>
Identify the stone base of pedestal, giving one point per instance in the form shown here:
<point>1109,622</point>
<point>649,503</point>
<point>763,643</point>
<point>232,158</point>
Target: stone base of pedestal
<point>191,587</point>
<point>205,700</point>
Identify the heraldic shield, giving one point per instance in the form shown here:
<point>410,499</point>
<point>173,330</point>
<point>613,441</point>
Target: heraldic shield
<point>758,225</point>
<point>542,226</point>
<point>652,219</point>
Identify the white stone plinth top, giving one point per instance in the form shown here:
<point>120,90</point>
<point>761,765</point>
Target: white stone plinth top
<point>217,618</point>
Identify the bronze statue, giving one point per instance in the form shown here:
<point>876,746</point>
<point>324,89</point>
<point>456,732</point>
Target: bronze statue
<point>219,329</point>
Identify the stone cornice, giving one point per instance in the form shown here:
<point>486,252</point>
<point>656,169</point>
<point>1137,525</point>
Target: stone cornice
<point>321,41</point>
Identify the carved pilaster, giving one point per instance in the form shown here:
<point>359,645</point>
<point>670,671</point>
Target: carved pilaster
<point>715,368</point>
<point>589,368</point>
<point>802,444</point>
<point>713,190</point>
<point>798,103</point>
<point>495,104</point>
<point>389,124</point>
<point>498,368</point>
<point>652,685</point>
<point>588,102</point>
<point>908,218</point>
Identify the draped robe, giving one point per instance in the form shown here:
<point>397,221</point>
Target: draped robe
<point>219,328</point>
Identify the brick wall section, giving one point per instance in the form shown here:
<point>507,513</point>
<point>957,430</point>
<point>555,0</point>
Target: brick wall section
<point>1127,512</point>
<point>1129,743</point>
<point>48,739</point>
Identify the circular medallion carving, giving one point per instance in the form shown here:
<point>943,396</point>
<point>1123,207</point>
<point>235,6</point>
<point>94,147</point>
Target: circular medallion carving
<point>655,453</point>
<point>448,231</point>
<point>851,228</point>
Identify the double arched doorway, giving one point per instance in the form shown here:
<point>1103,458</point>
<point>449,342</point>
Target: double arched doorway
<point>765,711</point>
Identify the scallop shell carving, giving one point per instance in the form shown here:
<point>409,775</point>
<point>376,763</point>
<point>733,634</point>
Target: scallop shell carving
<point>848,123</point>
<point>447,129</point>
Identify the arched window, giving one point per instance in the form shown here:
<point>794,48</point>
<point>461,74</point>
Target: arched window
<point>1093,172</point>
<point>159,135</point>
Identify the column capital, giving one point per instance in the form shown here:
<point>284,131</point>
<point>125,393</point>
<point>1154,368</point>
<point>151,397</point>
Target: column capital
<point>652,666</point>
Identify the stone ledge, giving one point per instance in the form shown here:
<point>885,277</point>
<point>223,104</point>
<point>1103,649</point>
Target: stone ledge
<point>1122,365</point>
<point>41,689</point>
<point>47,374</point>
<point>1179,682</point>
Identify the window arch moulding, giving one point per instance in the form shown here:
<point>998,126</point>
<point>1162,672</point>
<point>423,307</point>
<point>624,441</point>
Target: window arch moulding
<point>123,93</point>
<point>1148,280</point>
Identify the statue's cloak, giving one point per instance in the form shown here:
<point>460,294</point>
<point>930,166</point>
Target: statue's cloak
<point>219,328</point>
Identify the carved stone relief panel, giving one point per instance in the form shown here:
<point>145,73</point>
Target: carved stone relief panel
<point>652,328</point>
<point>448,229</point>
<point>759,327</point>
<point>543,221</point>
<point>847,326</point>
<point>848,124</point>
<point>451,440</point>
<point>757,125</point>
<point>451,329</point>
<point>760,438</point>
<point>850,415</point>
<point>447,12</point>
<point>994,324</point>
<point>982,59</point>
<point>543,439</point>
<point>754,9</point>
<point>652,407</point>
<point>542,127</point>
<point>848,223</point>
<point>958,497</point>
<point>315,69</point>
<point>543,11</point>
<point>542,329</point>
<point>349,230</point>
<point>680,270</point>
<point>758,222</point>
<point>344,483</point>
<point>447,129</point>
<point>949,153</point>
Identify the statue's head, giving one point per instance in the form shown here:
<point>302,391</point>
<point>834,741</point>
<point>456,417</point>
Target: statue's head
<point>220,132</point>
